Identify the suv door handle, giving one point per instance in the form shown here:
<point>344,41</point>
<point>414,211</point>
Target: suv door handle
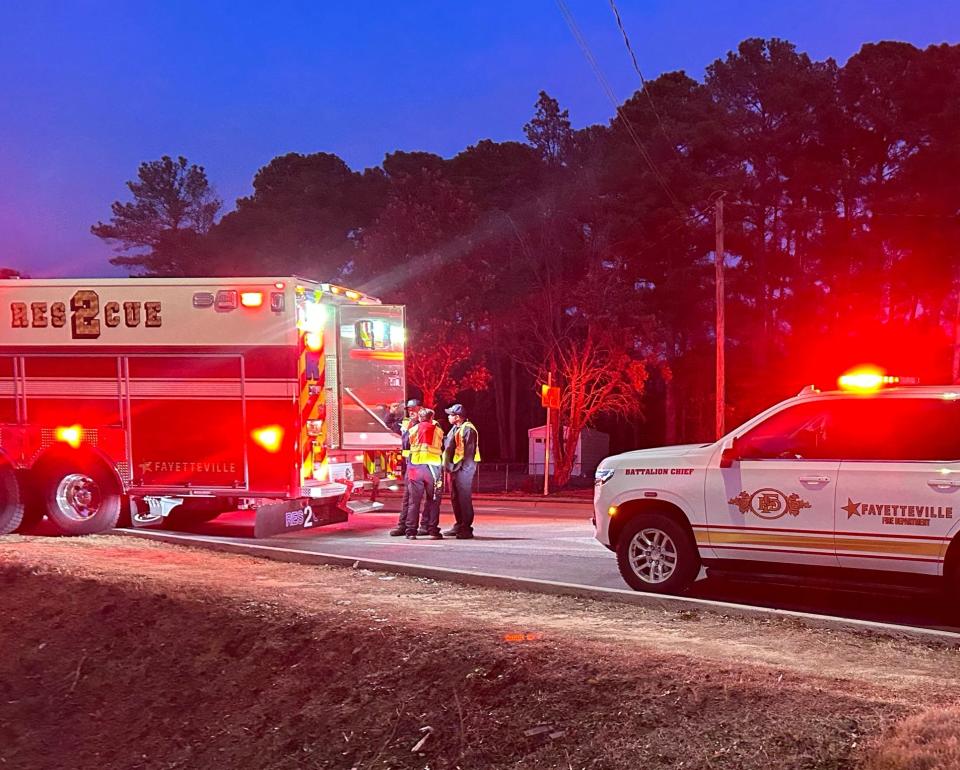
<point>814,479</point>
<point>943,483</point>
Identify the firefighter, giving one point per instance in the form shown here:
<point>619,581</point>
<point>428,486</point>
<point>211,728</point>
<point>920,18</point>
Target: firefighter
<point>462,453</point>
<point>413,416</point>
<point>425,477</point>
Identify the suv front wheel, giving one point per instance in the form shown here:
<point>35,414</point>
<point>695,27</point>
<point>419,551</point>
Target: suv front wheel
<point>657,554</point>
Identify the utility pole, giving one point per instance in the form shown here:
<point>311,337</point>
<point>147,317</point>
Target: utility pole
<point>546,445</point>
<point>719,260</point>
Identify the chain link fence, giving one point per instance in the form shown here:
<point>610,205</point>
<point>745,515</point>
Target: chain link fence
<point>519,477</point>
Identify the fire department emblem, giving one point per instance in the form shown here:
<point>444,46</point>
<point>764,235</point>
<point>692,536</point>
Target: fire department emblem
<point>769,503</point>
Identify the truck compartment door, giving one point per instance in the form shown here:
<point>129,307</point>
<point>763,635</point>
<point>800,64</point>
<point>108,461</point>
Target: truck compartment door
<point>372,377</point>
<point>187,421</point>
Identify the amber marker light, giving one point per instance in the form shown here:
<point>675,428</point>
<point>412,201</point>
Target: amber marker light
<point>612,510</point>
<point>251,298</point>
<point>72,435</point>
<point>312,341</point>
<point>270,437</point>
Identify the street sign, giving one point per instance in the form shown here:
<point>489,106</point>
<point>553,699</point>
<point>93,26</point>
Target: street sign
<point>550,396</point>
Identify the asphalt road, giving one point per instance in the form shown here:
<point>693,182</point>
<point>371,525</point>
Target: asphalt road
<point>558,545</point>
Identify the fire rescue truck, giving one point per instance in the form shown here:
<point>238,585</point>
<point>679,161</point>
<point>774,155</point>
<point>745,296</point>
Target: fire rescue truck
<point>180,399</point>
<point>865,479</point>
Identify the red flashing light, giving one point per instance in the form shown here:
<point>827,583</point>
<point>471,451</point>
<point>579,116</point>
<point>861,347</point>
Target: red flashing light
<point>251,298</point>
<point>71,435</point>
<point>270,437</point>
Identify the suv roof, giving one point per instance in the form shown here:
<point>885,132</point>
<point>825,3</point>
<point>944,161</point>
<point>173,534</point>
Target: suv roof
<point>907,391</point>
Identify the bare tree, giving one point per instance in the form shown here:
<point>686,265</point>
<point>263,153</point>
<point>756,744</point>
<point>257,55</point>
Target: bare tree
<point>597,365</point>
<point>442,364</point>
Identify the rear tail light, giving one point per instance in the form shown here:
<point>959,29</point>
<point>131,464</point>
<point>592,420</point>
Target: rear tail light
<point>314,427</point>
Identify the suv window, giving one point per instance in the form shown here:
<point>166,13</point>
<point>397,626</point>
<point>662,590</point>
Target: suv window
<point>890,429</point>
<point>799,432</point>
<point>901,429</point>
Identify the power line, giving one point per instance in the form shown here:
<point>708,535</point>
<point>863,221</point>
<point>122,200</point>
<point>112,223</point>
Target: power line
<point>608,91</point>
<point>799,208</point>
<point>643,81</point>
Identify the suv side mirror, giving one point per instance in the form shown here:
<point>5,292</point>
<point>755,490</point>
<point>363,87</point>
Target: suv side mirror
<point>729,454</point>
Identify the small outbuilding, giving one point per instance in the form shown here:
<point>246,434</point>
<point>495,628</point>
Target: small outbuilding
<point>591,448</point>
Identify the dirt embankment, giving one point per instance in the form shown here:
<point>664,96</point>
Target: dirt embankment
<point>117,653</point>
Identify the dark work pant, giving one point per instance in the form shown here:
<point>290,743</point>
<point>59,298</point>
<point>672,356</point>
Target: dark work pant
<point>402,518</point>
<point>461,495</point>
<point>424,489</point>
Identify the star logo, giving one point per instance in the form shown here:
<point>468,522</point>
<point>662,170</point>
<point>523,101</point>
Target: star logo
<point>852,508</point>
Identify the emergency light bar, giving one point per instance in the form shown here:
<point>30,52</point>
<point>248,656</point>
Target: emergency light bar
<point>872,380</point>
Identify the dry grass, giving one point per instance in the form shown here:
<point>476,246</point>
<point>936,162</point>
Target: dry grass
<point>927,741</point>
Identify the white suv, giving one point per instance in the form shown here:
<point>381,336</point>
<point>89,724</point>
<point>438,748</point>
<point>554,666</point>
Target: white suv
<point>867,481</point>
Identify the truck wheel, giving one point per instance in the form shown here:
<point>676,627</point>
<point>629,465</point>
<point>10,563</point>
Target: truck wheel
<point>32,506</point>
<point>80,495</point>
<point>11,501</point>
<point>656,554</point>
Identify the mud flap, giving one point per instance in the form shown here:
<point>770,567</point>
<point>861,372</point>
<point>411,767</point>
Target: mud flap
<point>295,515</point>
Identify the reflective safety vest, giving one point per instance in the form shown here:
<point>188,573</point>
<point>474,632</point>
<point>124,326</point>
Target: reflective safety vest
<point>426,444</point>
<point>405,428</point>
<point>458,450</point>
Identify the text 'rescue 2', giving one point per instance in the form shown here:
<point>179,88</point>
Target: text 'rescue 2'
<point>86,316</point>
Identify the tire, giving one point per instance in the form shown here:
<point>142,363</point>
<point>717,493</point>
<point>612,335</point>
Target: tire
<point>11,500</point>
<point>79,493</point>
<point>656,554</point>
<point>32,506</point>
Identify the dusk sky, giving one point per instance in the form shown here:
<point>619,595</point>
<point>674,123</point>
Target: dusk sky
<point>91,89</point>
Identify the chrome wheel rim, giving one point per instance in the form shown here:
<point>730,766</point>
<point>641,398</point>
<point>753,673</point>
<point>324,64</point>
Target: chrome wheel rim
<point>78,497</point>
<point>653,555</point>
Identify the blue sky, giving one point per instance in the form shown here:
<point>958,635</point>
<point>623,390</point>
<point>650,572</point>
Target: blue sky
<point>91,89</point>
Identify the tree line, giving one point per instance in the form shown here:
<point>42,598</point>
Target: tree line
<point>588,254</point>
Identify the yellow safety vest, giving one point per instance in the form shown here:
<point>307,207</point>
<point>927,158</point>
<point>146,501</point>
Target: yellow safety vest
<point>404,427</point>
<point>426,444</point>
<point>458,443</point>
